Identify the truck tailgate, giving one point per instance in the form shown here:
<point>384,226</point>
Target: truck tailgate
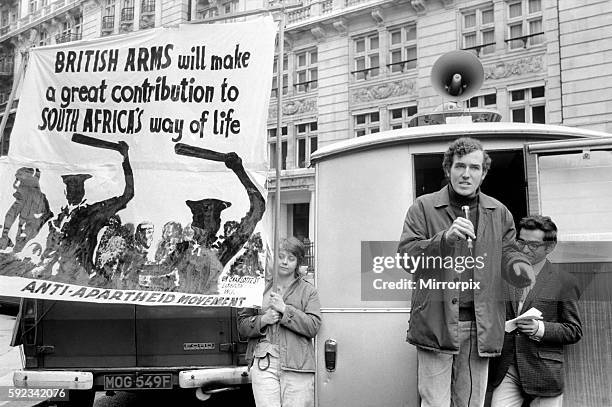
<point>184,336</point>
<point>87,335</point>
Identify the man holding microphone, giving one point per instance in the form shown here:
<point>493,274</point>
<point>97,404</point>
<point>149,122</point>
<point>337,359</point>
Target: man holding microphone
<point>457,331</point>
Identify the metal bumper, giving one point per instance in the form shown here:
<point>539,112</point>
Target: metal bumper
<point>226,376</point>
<point>56,379</point>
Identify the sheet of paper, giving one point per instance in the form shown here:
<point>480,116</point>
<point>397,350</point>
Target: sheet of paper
<point>531,313</point>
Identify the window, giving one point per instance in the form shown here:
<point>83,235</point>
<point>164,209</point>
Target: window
<point>127,12</point>
<point>366,56</point>
<point>6,62</point>
<point>32,6</point>
<point>306,74</point>
<point>230,7</point>
<point>399,117</point>
<point>108,12</point>
<point>528,105</point>
<point>478,30</point>
<point>488,100</point>
<point>307,143</point>
<point>367,123</point>
<point>206,9</point>
<point>4,21</point>
<point>525,23</point>
<point>402,48</point>
<point>70,30</point>
<point>285,76</point>
<point>147,6</point>
<point>272,148</point>
<point>44,38</point>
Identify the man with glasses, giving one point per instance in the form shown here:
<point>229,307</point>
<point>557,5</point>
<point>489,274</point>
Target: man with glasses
<point>531,366</point>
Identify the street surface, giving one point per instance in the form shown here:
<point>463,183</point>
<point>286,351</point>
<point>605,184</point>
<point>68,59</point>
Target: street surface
<point>10,360</point>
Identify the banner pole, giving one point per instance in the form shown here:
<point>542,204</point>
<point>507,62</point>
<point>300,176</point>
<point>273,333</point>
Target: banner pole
<point>9,103</point>
<point>279,118</point>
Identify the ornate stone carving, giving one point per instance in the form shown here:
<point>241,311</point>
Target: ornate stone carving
<point>448,3</point>
<point>33,35</point>
<point>147,21</point>
<point>126,26</point>
<point>377,15</point>
<point>318,32</point>
<point>384,91</point>
<point>517,67</point>
<point>418,5</point>
<point>294,107</point>
<point>340,26</point>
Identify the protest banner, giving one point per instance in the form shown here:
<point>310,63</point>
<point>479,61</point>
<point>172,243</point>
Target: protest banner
<point>137,167</point>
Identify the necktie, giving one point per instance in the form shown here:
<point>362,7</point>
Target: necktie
<point>521,295</point>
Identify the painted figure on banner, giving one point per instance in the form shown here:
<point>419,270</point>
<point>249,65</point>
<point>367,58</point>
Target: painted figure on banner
<point>171,237</point>
<point>113,229</point>
<point>136,257</point>
<point>31,208</point>
<point>249,263</point>
<point>200,262</point>
<point>73,234</point>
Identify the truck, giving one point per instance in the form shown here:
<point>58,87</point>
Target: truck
<point>89,347</point>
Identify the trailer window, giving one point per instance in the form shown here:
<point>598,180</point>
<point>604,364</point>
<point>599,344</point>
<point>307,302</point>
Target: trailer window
<point>575,191</point>
<point>504,182</point>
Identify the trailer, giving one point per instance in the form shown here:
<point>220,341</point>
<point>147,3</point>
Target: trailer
<point>364,187</point>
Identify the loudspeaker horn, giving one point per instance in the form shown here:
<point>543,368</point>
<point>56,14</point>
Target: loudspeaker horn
<point>457,75</point>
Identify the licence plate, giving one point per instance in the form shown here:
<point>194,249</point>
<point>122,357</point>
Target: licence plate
<point>133,381</point>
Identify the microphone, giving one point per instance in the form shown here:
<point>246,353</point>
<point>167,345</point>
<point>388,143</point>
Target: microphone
<point>466,212</point>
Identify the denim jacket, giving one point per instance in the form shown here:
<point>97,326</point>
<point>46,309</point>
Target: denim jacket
<point>298,325</point>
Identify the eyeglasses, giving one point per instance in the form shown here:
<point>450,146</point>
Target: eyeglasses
<point>533,246</point>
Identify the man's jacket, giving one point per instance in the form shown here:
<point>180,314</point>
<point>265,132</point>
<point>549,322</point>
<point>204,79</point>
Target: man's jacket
<point>540,363</point>
<point>434,316</point>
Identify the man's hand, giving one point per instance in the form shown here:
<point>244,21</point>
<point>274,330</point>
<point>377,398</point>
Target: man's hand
<point>270,317</point>
<point>459,230</point>
<point>525,271</point>
<point>232,161</point>
<point>527,326</point>
<point>123,148</point>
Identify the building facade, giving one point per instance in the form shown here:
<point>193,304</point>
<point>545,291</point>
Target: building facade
<point>357,67</point>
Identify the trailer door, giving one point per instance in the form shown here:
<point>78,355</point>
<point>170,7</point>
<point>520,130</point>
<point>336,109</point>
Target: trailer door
<point>571,181</point>
<point>374,366</point>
